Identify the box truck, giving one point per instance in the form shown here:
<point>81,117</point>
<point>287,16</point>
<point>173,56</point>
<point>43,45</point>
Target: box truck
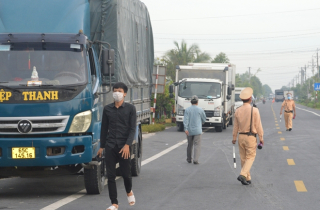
<point>58,62</point>
<point>213,83</point>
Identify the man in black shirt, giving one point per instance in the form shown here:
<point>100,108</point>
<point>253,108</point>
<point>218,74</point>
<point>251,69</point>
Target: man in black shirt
<point>118,129</point>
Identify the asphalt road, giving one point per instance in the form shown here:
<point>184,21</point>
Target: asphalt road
<point>285,174</point>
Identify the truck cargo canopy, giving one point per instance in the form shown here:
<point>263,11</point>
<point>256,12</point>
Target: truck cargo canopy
<point>126,25</point>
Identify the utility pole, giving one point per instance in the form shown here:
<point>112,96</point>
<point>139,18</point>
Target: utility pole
<point>312,67</point>
<point>318,64</point>
<point>305,73</point>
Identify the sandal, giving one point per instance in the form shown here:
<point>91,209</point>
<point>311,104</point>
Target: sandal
<point>131,199</point>
<point>112,208</point>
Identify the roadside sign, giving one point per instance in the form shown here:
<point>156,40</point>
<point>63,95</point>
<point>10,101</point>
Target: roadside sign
<point>161,79</point>
<point>316,86</point>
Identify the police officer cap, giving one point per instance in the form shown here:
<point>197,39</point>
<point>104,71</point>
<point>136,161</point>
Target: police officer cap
<point>246,93</point>
<point>194,98</point>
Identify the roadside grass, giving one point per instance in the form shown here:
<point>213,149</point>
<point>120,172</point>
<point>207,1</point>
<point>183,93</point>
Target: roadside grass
<point>310,104</point>
<point>156,127</point>
<point>152,128</point>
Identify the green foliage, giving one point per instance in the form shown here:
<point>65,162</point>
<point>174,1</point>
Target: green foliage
<point>182,55</point>
<point>221,58</point>
<point>242,80</point>
<point>152,128</point>
<point>266,90</point>
<point>301,91</point>
<point>164,102</point>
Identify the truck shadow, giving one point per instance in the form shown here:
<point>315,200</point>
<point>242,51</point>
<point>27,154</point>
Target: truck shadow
<point>28,188</point>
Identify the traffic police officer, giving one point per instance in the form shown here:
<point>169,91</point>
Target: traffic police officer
<point>247,123</point>
<point>289,107</point>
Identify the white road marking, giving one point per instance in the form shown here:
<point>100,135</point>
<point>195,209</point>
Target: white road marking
<point>308,111</point>
<point>82,193</point>
<point>163,152</point>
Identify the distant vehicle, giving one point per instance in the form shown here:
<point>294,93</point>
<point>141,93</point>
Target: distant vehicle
<point>213,83</point>
<point>238,101</point>
<point>279,95</point>
<point>290,91</point>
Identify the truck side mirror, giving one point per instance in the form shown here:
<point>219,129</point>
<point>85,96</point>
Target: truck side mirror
<point>171,95</point>
<point>232,86</point>
<point>171,89</point>
<point>107,65</point>
<point>229,90</point>
<point>228,97</point>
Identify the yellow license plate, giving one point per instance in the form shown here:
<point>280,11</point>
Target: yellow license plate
<point>23,153</point>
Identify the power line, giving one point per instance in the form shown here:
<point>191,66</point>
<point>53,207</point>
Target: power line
<point>272,37</point>
<point>245,15</point>
<point>237,34</point>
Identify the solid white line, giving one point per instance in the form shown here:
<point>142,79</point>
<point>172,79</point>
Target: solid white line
<point>308,111</point>
<point>81,193</point>
<point>163,152</point>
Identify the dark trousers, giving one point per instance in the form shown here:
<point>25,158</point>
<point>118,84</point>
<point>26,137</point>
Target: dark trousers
<point>112,158</point>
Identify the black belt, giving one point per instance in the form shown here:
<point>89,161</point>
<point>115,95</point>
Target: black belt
<point>289,111</point>
<point>249,134</point>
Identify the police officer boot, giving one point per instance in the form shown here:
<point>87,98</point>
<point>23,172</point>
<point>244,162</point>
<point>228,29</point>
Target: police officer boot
<point>243,180</point>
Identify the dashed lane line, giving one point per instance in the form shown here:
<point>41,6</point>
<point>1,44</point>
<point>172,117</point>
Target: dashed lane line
<point>286,148</point>
<point>279,132</point>
<point>82,193</point>
<point>278,127</point>
<point>282,139</point>
<point>291,162</point>
<point>300,186</point>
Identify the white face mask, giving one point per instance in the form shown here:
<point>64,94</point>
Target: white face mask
<point>118,96</point>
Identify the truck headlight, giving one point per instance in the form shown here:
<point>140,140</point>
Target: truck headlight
<point>217,112</point>
<point>81,122</point>
<point>180,110</point>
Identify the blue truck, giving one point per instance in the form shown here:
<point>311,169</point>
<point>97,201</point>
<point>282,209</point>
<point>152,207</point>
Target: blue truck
<point>58,62</point>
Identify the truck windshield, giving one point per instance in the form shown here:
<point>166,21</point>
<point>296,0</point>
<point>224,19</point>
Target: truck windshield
<point>279,93</point>
<point>237,95</point>
<point>201,89</point>
<point>51,64</point>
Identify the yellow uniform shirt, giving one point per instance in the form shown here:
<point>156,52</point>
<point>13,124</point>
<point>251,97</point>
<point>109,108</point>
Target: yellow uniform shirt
<point>242,121</point>
<point>288,105</point>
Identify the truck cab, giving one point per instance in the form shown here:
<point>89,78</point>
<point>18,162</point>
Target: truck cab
<point>214,86</point>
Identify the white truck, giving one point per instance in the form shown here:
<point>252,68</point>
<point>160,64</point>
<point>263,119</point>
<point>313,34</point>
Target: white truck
<point>214,85</point>
<point>285,93</point>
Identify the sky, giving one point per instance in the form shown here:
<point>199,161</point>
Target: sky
<point>277,36</point>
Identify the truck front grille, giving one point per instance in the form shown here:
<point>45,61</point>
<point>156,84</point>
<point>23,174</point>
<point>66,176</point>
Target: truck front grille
<point>40,125</point>
<point>209,113</point>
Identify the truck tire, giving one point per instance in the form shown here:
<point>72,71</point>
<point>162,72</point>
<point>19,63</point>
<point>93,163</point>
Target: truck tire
<point>218,128</point>
<point>180,127</point>
<point>94,178</point>
<point>136,161</point>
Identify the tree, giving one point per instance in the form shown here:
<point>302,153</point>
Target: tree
<point>164,102</point>
<point>221,58</point>
<point>266,90</point>
<point>182,55</point>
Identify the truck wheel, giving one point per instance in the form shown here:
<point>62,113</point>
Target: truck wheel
<point>218,128</point>
<point>136,161</point>
<point>180,127</point>
<point>94,178</point>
